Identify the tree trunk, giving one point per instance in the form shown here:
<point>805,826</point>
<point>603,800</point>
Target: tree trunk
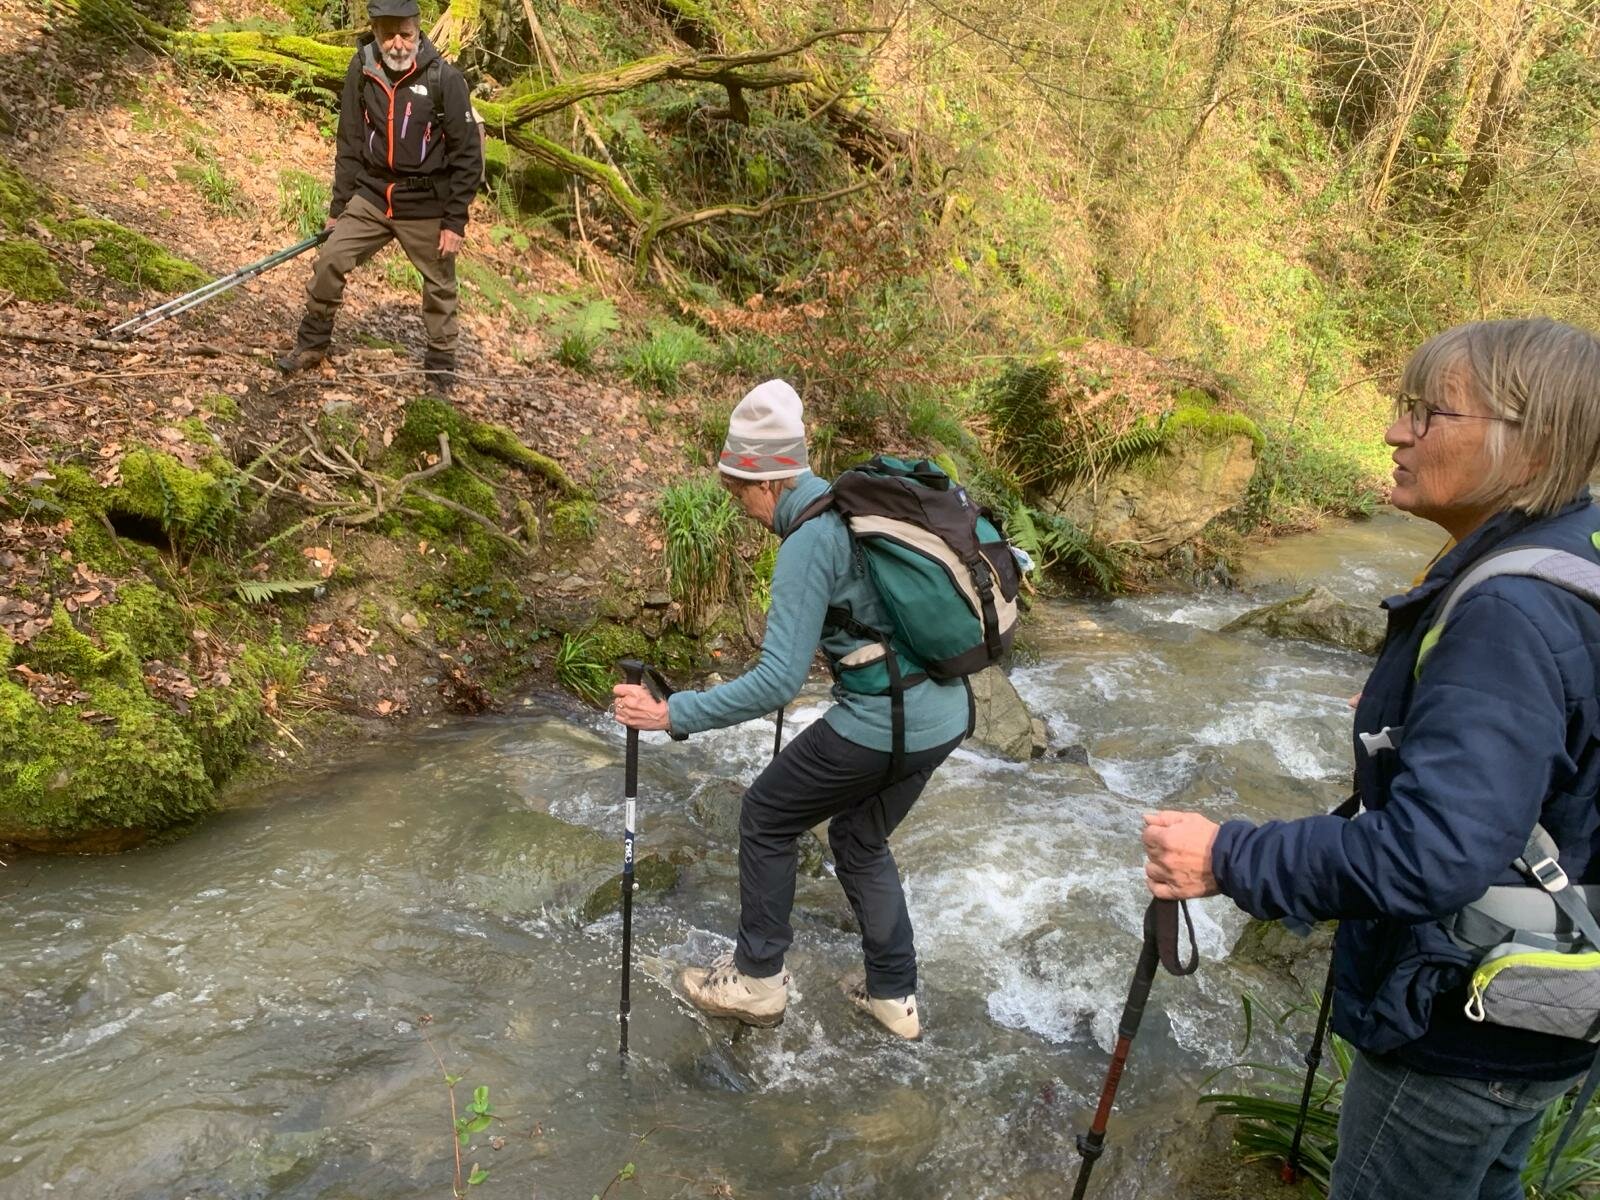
<point>1408,98</point>
<point>1227,40</point>
<point>1505,89</point>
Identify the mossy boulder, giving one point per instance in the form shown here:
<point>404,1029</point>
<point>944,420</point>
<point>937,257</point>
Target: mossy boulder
<point>131,257</point>
<point>106,772</point>
<point>27,271</point>
<point>180,500</point>
<point>1277,950</point>
<point>1202,469</point>
<point>96,775</point>
<point>1002,723</point>
<point>653,876</point>
<point>1317,615</point>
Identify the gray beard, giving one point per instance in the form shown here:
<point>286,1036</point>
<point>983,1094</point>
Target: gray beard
<point>399,62</point>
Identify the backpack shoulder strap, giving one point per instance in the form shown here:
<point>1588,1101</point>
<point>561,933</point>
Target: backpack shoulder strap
<point>1566,570</point>
<point>816,508</point>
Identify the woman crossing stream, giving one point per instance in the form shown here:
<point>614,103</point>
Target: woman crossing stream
<point>238,1013</point>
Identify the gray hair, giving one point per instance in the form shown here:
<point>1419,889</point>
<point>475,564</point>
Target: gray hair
<point>1543,377</point>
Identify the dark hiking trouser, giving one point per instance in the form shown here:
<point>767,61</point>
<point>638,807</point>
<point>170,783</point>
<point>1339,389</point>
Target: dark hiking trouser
<point>359,233</point>
<point>821,775</point>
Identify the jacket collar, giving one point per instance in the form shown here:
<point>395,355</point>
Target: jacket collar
<point>793,501</point>
<point>1493,533</point>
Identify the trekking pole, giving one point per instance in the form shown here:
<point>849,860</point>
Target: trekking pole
<point>1290,1173</point>
<point>632,672</point>
<point>151,317</point>
<point>777,734</point>
<point>1160,946</point>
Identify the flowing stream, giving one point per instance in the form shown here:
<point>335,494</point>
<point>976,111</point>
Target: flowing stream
<point>240,1013</point>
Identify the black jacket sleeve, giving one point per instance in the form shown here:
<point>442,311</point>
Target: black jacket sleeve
<point>464,163</point>
<point>347,154</point>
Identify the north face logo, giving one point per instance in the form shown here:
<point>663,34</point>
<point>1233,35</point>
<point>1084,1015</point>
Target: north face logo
<point>420,89</point>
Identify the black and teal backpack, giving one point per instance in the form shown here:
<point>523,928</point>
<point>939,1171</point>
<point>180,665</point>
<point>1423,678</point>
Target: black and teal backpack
<point>945,573</point>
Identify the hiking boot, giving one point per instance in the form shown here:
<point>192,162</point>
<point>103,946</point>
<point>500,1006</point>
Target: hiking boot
<point>300,359</point>
<point>440,371</point>
<point>722,990</point>
<point>898,1016</point>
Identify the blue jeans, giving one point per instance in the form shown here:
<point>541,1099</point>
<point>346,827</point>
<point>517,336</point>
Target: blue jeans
<point>1405,1133</point>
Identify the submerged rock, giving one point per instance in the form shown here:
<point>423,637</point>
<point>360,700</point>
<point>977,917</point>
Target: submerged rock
<point>522,862</point>
<point>715,807</point>
<point>1317,615</point>
<point>652,876</point>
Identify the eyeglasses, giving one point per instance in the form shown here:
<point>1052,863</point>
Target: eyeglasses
<point>1422,413</point>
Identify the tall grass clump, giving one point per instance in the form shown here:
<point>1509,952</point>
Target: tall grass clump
<point>658,360</point>
<point>302,202</point>
<point>580,669</point>
<point>702,540</point>
<point>216,187</point>
<point>1267,1114</point>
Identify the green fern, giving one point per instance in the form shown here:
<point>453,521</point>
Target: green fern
<point>265,591</point>
<point>1141,441</point>
<point>1057,545</point>
<point>169,501</point>
<point>213,526</point>
<point>590,322</point>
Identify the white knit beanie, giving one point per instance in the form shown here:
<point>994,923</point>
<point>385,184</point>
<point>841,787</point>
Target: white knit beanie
<point>766,436</point>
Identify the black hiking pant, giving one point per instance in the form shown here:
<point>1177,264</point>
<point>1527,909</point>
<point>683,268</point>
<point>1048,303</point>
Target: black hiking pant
<point>821,775</point>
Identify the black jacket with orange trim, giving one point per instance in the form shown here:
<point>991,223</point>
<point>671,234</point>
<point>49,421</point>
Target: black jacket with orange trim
<point>408,143</point>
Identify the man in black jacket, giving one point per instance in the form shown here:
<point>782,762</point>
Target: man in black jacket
<point>409,161</point>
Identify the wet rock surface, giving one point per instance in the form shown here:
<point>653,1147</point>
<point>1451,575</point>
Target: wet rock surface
<point>1316,615</point>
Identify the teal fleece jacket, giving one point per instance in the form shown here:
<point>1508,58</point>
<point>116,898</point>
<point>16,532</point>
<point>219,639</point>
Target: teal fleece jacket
<point>817,568</point>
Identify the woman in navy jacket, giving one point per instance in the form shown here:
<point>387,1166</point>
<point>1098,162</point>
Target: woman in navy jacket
<point>1496,433</point>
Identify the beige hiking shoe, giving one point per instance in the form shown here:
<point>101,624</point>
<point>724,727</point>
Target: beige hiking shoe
<point>297,360</point>
<point>899,1016</point>
<point>722,990</point>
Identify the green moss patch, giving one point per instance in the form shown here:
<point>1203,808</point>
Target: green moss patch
<point>1198,419</point>
<point>427,417</point>
<point>131,257</point>
<point>110,770</point>
<point>147,619</point>
<point>19,199</point>
<point>26,270</point>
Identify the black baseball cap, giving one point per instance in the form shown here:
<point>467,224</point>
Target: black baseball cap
<point>393,8</point>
